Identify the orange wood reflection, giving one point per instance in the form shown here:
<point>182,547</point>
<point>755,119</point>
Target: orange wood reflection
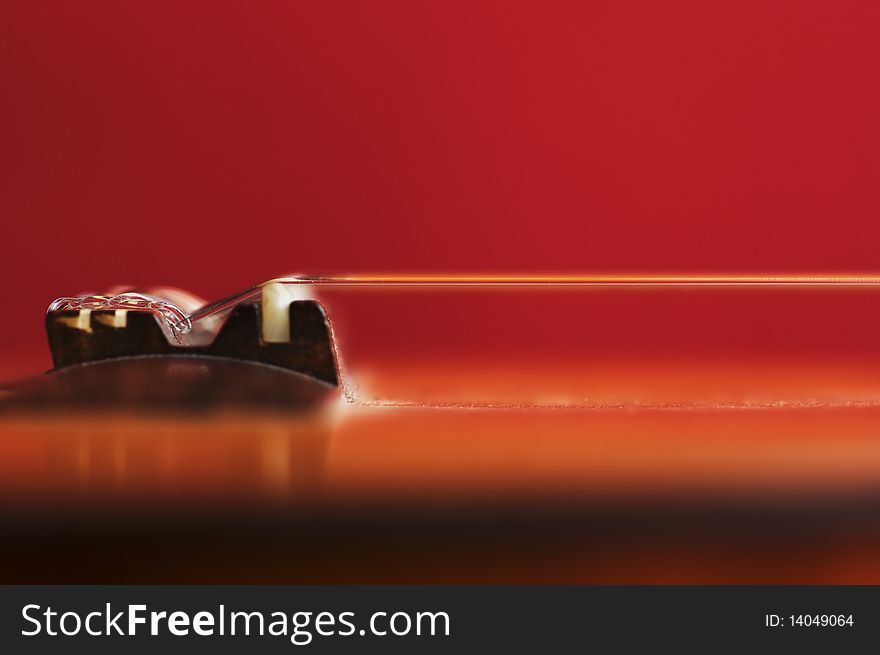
<point>643,441</point>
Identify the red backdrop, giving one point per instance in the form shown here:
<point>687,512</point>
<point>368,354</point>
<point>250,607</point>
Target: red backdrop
<point>213,145</point>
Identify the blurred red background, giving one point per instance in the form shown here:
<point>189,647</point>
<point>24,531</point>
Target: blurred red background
<point>213,145</point>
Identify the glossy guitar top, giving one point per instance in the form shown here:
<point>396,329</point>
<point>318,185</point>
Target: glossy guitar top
<point>456,465</point>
